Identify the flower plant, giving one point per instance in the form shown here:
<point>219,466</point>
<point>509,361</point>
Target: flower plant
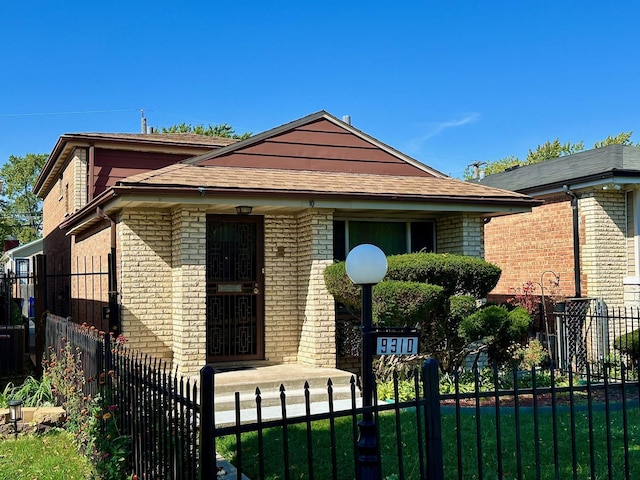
<point>91,420</point>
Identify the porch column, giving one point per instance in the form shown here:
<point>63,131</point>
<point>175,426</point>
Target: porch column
<point>315,252</point>
<point>461,234</point>
<point>188,261</point>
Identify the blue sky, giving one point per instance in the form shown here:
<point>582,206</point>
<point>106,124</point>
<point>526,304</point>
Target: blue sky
<point>448,83</point>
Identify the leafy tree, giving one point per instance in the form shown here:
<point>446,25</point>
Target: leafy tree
<point>219,130</point>
<point>546,151</point>
<point>623,138</point>
<point>552,149</point>
<point>21,209</point>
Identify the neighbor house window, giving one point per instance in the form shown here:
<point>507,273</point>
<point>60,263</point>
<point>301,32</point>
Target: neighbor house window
<point>22,269</point>
<point>393,237</point>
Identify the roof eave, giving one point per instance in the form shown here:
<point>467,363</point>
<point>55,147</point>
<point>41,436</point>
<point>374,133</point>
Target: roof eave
<point>116,197</point>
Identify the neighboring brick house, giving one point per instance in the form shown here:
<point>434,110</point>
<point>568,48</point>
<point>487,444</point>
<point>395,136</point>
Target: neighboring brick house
<point>220,257</point>
<point>587,231</point>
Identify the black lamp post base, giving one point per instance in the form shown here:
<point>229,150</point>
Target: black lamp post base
<point>368,451</point>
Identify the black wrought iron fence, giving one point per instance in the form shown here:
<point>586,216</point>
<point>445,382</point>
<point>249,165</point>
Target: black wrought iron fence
<point>484,423</point>
<point>157,409</point>
<point>590,333</point>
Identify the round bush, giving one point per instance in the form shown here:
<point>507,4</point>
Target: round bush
<point>399,304</point>
<point>629,344</point>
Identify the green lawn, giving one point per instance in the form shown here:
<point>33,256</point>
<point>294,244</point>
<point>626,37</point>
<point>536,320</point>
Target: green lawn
<point>273,444</point>
<point>43,457</point>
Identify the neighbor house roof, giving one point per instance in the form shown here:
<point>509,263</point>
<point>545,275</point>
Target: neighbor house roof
<point>23,251</point>
<point>610,164</point>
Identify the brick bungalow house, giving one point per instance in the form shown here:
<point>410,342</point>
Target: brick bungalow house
<point>220,245</point>
<point>587,230</point>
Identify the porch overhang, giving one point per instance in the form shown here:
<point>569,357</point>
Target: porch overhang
<point>262,203</point>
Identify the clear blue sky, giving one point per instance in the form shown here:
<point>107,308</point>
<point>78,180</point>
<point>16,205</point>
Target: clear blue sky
<point>447,82</point>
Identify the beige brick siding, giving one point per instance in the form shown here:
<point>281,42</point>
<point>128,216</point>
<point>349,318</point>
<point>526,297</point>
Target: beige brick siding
<point>282,316</point>
<point>188,259</point>
<point>315,238</point>
<point>68,193</point>
<point>79,187</point>
<point>604,261</point>
<point>461,234</point>
<point>146,282</point>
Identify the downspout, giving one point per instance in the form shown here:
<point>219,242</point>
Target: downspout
<point>576,239</point>
<point>114,310</point>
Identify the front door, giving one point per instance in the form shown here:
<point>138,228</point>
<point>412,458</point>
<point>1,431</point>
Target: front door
<point>235,321</point>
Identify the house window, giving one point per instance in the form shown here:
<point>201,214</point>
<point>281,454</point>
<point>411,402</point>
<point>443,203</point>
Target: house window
<point>393,237</point>
<point>22,269</point>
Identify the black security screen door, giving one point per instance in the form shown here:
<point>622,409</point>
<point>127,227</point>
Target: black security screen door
<point>234,288</point>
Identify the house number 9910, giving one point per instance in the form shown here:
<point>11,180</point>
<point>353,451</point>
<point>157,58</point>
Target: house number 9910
<point>396,345</point>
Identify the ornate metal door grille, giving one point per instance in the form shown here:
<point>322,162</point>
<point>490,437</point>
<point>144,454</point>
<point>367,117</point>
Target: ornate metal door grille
<point>234,288</point>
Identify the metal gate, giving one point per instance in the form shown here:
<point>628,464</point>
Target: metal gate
<point>235,321</point>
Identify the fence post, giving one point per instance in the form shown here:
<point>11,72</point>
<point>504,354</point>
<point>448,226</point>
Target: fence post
<point>108,359</point>
<point>431,385</point>
<point>208,465</point>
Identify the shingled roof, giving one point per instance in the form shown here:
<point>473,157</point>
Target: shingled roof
<point>286,182</point>
<point>590,167</point>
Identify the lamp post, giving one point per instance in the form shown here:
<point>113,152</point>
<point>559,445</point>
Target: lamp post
<point>366,265</point>
<point>15,413</point>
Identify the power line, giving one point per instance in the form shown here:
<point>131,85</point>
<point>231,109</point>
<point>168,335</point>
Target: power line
<point>40,114</point>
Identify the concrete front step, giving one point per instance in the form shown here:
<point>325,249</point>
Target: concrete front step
<point>269,380</point>
<point>271,397</point>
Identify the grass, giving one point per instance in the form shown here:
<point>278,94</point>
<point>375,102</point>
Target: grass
<point>298,460</point>
<point>52,456</point>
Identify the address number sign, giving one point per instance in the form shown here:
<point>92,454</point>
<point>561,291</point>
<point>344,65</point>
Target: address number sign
<point>396,345</point>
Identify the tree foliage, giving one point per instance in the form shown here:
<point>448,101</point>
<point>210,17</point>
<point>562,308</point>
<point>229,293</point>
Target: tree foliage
<point>546,151</point>
<point>219,130</point>
<point>21,209</point>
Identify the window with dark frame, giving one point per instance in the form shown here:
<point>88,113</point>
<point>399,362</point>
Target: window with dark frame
<point>393,237</point>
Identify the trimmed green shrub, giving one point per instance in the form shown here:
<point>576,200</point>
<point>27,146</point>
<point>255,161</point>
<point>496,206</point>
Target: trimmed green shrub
<point>399,304</point>
<point>445,342</point>
<point>498,327</point>
<point>457,274</point>
<point>629,344</point>
<point>341,287</point>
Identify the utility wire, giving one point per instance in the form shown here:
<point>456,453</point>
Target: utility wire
<point>66,113</point>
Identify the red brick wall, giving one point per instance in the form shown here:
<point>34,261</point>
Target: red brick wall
<point>526,245</point>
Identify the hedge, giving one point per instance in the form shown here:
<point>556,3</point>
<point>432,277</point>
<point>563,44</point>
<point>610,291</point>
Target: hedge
<point>629,344</point>
<point>457,274</point>
<point>399,304</point>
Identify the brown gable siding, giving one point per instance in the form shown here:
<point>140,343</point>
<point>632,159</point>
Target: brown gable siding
<point>111,166</point>
<point>318,146</point>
